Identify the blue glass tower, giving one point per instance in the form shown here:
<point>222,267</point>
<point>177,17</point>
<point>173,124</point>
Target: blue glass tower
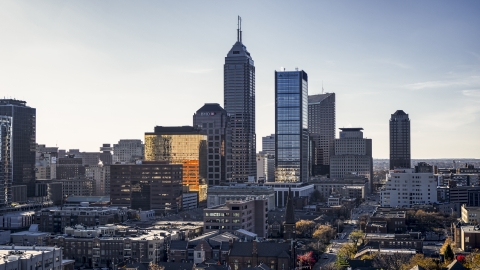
<point>291,126</point>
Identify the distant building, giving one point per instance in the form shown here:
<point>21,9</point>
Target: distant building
<point>352,155</point>
<point>321,126</point>
<point>98,174</point>
<point>281,191</point>
<point>106,155</point>
<point>79,186</point>
<point>245,255</point>
<point>19,194</point>
<point>149,185</point>
<point>70,167</point>
<point>400,141</point>
<point>249,215</point>
<point>6,160</point>
<point>405,188</point>
<point>470,214</point>
<point>352,185</point>
<point>265,168</point>
<point>46,162</point>
<point>23,132</point>
<point>268,145</point>
<point>291,126</point>
<point>127,151</point>
<point>214,121</point>
<point>31,257</point>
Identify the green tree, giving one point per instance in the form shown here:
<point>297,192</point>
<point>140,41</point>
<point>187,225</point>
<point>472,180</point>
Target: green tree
<point>356,236</point>
<point>472,260</point>
<point>448,254</point>
<point>345,252</point>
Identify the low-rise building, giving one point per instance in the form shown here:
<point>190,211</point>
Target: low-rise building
<point>469,238</point>
<point>250,254</point>
<point>281,190</point>
<point>28,238</point>
<point>470,214</point>
<point>393,241</point>
<point>250,215</point>
<point>30,257</point>
<point>395,219</point>
<point>218,195</point>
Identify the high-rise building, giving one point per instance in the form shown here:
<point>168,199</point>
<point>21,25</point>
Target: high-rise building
<point>6,160</point>
<point>213,120</point>
<point>268,145</point>
<point>291,126</point>
<point>352,155</point>
<point>180,145</point>
<point>321,126</point>
<point>147,185</point>
<point>239,102</point>
<point>127,151</point>
<point>400,141</point>
<point>106,155</point>
<point>23,148</point>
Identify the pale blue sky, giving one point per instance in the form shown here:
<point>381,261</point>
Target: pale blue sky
<point>100,71</point>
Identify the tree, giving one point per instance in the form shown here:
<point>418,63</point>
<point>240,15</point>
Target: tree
<point>345,252</point>
<point>305,227</point>
<point>419,259</point>
<point>392,261</point>
<point>306,259</point>
<point>324,233</point>
<point>472,260</point>
<point>448,254</point>
<point>356,236</point>
<point>362,221</point>
<point>448,242</point>
<point>316,196</point>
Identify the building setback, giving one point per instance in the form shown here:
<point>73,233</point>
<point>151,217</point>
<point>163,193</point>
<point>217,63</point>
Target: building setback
<point>23,147</point>
<point>148,186</point>
<point>239,102</point>
<point>291,126</point>
<point>213,120</point>
<point>400,141</point>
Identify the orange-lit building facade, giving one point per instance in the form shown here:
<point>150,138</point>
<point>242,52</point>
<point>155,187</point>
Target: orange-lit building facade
<point>184,145</point>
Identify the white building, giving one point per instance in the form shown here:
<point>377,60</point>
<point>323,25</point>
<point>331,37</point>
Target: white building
<point>30,257</point>
<point>281,191</point>
<point>127,151</point>
<point>219,195</point>
<point>405,188</point>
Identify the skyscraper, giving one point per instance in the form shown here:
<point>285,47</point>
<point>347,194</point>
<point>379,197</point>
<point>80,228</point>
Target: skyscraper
<point>213,120</point>
<point>321,126</point>
<point>353,155</point>
<point>291,126</point>
<point>268,145</point>
<point>6,160</point>
<point>400,140</point>
<point>24,146</point>
<point>239,102</point>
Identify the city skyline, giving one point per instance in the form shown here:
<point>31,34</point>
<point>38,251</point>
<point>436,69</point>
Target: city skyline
<point>105,64</point>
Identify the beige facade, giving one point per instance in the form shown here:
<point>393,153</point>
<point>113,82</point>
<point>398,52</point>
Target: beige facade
<point>470,214</point>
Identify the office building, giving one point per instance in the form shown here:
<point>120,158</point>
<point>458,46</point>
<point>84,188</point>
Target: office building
<point>23,147</point>
<point>352,155</point>
<point>148,185</point>
<point>6,160</point>
<point>268,145</point>
<point>106,154</point>
<point>291,126</point>
<point>98,174</point>
<point>265,168</point>
<point>321,126</point>
<point>181,145</point>
<point>79,186</point>
<point>249,215</point>
<point>406,188</point>
<point>400,141</point>
<point>127,151</point>
<point>70,167</point>
<point>239,102</point>
<point>213,120</point>
<point>46,162</point>
<point>240,192</point>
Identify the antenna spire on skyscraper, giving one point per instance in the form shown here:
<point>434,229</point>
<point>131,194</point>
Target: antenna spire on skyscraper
<point>239,29</point>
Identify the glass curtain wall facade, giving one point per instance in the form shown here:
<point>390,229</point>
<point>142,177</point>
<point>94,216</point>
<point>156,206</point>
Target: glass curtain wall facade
<point>6,172</point>
<point>180,145</point>
<point>24,142</point>
<point>291,126</point>
<point>239,102</point>
<point>400,141</point>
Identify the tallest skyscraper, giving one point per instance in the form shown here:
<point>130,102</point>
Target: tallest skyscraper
<point>239,102</point>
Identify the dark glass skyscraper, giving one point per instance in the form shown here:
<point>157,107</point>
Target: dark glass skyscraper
<point>400,140</point>
<point>6,173</point>
<point>239,102</point>
<point>23,148</point>
<point>291,126</point>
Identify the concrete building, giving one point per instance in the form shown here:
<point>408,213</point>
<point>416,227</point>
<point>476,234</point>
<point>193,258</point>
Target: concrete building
<point>6,160</point>
<point>70,167</point>
<point>400,141</point>
<point>214,121</point>
<point>31,257</point>
<point>268,145</point>
<point>76,186</point>
<point>98,174</point>
<point>46,162</point>
<point>189,201</point>
<point>352,155</point>
<point>30,238</point>
<point>354,186</point>
<point>469,238</point>
<point>22,148</point>
<point>291,127</point>
<point>321,126</point>
<point>17,220</point>
<point>265,168</point>
<point>127,151</point>
<point>239,102</point>
<point>219,195</point>
<point>406,188</point>
<point>470,214</point>
<point>249,215</point>
<point>246,255</point>
<point>281,191</point>
<point>148,185</point>
<point>395,220</point>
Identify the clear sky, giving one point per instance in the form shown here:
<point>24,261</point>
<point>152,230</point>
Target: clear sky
<point>100,71</point>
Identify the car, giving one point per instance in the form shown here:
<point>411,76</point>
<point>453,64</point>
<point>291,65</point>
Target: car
<point>331,251</point>
<point>325,257</point>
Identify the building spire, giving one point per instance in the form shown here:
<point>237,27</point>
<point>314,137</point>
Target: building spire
<point>239,29</point>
